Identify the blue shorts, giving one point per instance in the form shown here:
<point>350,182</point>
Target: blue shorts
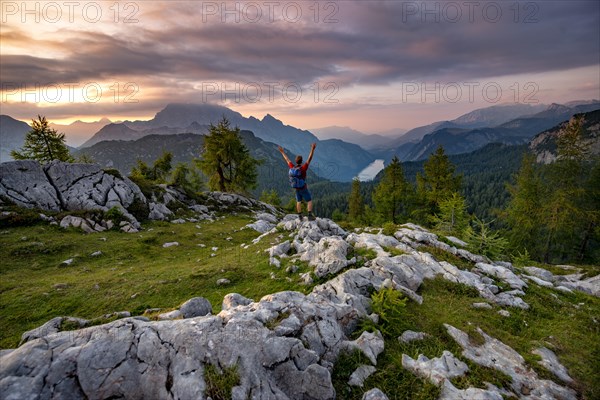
<point>303,194</point>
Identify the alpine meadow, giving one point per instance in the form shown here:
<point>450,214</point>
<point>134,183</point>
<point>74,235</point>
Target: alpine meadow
<point>300,200</point>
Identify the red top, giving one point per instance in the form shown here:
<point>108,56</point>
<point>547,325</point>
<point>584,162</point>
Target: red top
<point>303,169</point>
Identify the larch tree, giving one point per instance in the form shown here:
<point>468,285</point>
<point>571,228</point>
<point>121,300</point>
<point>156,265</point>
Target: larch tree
<point>226,161</point>
<point>43,144</point>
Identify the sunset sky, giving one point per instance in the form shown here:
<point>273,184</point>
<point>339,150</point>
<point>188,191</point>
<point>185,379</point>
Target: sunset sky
<point>370,65</point>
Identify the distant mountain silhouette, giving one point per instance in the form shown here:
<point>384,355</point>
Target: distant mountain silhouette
<point>347,134</point>
<point>342,160</point>
<point>79,131</point>
<point>457,139</point>
<point>12,136</point>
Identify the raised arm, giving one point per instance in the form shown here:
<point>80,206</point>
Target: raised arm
<point>283,154</point>
<point>312,152</point>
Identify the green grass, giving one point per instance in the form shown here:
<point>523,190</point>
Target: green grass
<point>134,271</point>
<point>572,333</point>
<point>220,383</point>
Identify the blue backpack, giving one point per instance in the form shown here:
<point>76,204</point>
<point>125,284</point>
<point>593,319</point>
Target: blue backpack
<point>296,180</point>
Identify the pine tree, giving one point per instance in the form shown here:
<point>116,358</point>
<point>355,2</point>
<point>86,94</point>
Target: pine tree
<point>43,144</point>
<point>391,196</point>
<point>356,204</point>
<point>437,183</point>
<point>563,213</point>
<point>523,213</point>
<point>226,160</point>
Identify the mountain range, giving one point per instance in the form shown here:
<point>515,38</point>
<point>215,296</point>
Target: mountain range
<point>544,144</point>
<point>123,155</point>
<point>334,158</point>
<point>79,131</point>
<point>342,152</point>
<point>364,140</point>
<point>470,132</point>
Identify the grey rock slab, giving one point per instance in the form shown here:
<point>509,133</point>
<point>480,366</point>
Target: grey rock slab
<point>374,394</point>
<point>540,273</point>
<point>539,281</point>
<point>411,336</point>
<point>360,375</point>
<point>495,354</point>
<point>485,306</point>
<point>25,183</point>
<point>437,369</point>
<point>450,392</point>
<point>502,273</point>
<point>552,364</point>
<point>370,344</point>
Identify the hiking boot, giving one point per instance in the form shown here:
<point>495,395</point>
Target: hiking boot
<point>300,216</point>
<point>311,216</point>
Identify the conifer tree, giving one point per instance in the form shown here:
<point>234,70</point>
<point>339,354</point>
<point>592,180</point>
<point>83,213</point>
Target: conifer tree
<point>226,160</point>
<point>356,204</point>
<point>437,183</point>
<point>453,216</point>
<point>43,144</point>
<point>523,213</point>
<point>392,195</point>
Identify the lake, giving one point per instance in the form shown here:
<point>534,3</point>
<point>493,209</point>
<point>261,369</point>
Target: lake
<point>371,171</point>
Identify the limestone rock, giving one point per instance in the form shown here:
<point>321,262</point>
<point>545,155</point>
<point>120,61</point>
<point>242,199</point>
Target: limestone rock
<point>24,183</point>
<point>170,244</point>
<point>261,226</point>
<point>486,306</point>
<point>159,211</point>
<point>360,375</point>
<point>411,336</point>
<point>503,274</point>
<point>450,392</point>
<point>370,344</point>
<point>233,300</point>
<point>551,363</point>
<point>495,354</point>
<point>437,369</point>
<point>196,307</point>
<point>374,394</point>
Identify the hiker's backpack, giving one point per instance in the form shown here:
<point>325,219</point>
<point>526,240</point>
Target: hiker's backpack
<point>296,180</point>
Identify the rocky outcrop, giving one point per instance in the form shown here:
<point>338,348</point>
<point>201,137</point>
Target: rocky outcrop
<point>495,354</point>
<point>25,183</point>
<point>60,186</point>
<point>283,346</point>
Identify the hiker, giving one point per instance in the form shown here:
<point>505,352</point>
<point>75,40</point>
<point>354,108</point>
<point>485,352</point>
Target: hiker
<point>297,176</point>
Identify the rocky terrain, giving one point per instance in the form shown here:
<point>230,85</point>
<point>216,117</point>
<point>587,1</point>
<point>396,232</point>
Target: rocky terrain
<point>286,344</point>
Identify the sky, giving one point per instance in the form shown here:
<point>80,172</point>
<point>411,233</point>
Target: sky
<point>370,65</point>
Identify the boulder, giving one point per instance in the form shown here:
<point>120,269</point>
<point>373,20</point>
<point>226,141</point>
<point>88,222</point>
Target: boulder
<point>196,307</point>
<point>25,183</point>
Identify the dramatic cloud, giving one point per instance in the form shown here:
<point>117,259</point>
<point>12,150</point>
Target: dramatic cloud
<point>175,49</point>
